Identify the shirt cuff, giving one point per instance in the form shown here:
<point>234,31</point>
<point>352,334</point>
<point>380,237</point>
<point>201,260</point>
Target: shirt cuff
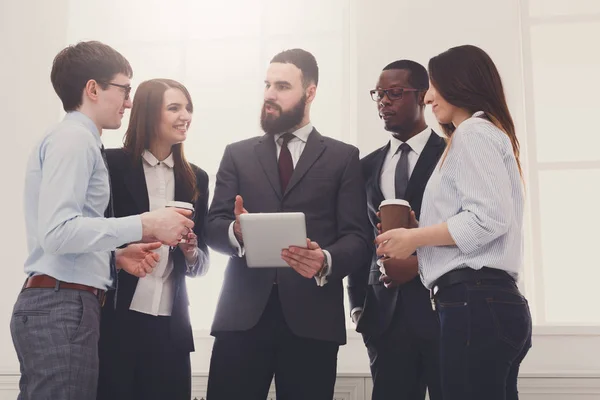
<point>234,242</point>
<point>129,229</point>
<point>322,280</point>
<point>200,266</point>
<point>194,264</point>
<point>355,310</point>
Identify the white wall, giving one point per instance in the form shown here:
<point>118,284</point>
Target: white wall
<point>32,31</point>
<point>390,30</point>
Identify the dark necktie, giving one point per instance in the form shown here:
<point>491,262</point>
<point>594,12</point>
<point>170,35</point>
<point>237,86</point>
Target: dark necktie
<point>401,176</point>
<point>110,213</point>
<point>286,164</point>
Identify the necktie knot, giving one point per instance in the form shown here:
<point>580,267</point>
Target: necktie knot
<point>404,147</point>
<point>287,137</point>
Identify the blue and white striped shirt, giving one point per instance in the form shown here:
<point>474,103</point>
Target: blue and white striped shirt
<point>478,191</point>
<point>66,192</point>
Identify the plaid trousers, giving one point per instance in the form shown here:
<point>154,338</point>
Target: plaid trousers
<point>55,334</point>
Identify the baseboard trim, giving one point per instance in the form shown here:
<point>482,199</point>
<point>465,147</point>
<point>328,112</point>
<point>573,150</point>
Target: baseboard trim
<point>358,386</point>
<point>560,386</point>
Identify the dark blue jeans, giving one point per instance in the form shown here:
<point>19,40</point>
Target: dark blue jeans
<point>485,335</point>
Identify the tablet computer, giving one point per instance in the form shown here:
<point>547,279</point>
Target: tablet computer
<point>266,234</point>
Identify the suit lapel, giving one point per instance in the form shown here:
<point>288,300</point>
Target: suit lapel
<point>266,152</point>
<point>178,258</point>
<point>312,151</point>
<point>180,194</point>
<point>136,184</point>
<point>425,165</point>
<point>378,167</point>
<point>373,183</point>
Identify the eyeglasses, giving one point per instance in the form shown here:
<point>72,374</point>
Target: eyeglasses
<point>392,93</point>
<point>126,88</point>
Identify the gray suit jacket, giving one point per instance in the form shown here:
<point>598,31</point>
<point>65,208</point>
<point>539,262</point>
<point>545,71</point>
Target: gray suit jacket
<point>327,185</point>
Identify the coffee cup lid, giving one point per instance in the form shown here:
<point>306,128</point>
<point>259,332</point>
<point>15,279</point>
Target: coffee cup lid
<point>395,202</point>
<point>180,204</point>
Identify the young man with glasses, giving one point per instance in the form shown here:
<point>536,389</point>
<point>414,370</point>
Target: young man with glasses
<point>390,306</point>
<point>72,259</point>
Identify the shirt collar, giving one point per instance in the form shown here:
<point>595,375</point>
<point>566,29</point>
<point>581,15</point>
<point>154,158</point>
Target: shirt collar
<point>87,122</point>
<point>301,133</point>
<point>153,161</point>
<point>417,143</point>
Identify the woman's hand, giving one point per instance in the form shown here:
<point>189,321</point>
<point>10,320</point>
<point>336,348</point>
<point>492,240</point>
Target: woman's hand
<point>396,243</point>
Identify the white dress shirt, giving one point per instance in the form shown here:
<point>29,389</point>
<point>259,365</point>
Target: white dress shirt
<point>388,171</point>
<point>154,292</point>
<point>296,147</point>
<point>478,192</point>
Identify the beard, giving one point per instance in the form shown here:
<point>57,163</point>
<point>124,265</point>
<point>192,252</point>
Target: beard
<point>272,124</point>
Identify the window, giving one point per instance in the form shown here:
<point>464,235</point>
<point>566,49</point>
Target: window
<point>562,83</point>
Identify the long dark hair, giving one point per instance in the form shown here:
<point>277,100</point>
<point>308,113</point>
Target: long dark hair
<point>466,77</point>
<point>143,125</point>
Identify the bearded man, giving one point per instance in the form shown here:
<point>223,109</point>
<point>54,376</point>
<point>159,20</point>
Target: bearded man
<point>286,322</point>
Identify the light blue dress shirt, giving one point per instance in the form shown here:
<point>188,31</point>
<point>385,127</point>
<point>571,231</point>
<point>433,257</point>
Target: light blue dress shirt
<point>66,193</point>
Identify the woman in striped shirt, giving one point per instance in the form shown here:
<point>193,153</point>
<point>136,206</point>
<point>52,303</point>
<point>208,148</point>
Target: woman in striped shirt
<point>469,240</point>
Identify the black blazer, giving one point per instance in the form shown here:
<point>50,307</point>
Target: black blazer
<point>327,185</point>
<point>364,288</point>
<point>130,197</point>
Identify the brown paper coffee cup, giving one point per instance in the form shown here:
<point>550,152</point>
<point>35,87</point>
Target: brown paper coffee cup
<point>395,213</point>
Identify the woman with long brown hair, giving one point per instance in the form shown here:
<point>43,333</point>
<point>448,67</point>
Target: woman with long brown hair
<point>469,238</point>
<point>145,331</point>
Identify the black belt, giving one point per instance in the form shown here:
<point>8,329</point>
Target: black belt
<point>464,275</point>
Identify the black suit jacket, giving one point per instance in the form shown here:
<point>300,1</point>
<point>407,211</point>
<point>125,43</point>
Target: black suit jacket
<point>130,197</point>
<point>327,186</point>
<point>364,288</point>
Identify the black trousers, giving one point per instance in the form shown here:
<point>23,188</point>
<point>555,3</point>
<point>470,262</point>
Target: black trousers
<point>243,363</point>
<point>140,361</point>
<point>405,359</point>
